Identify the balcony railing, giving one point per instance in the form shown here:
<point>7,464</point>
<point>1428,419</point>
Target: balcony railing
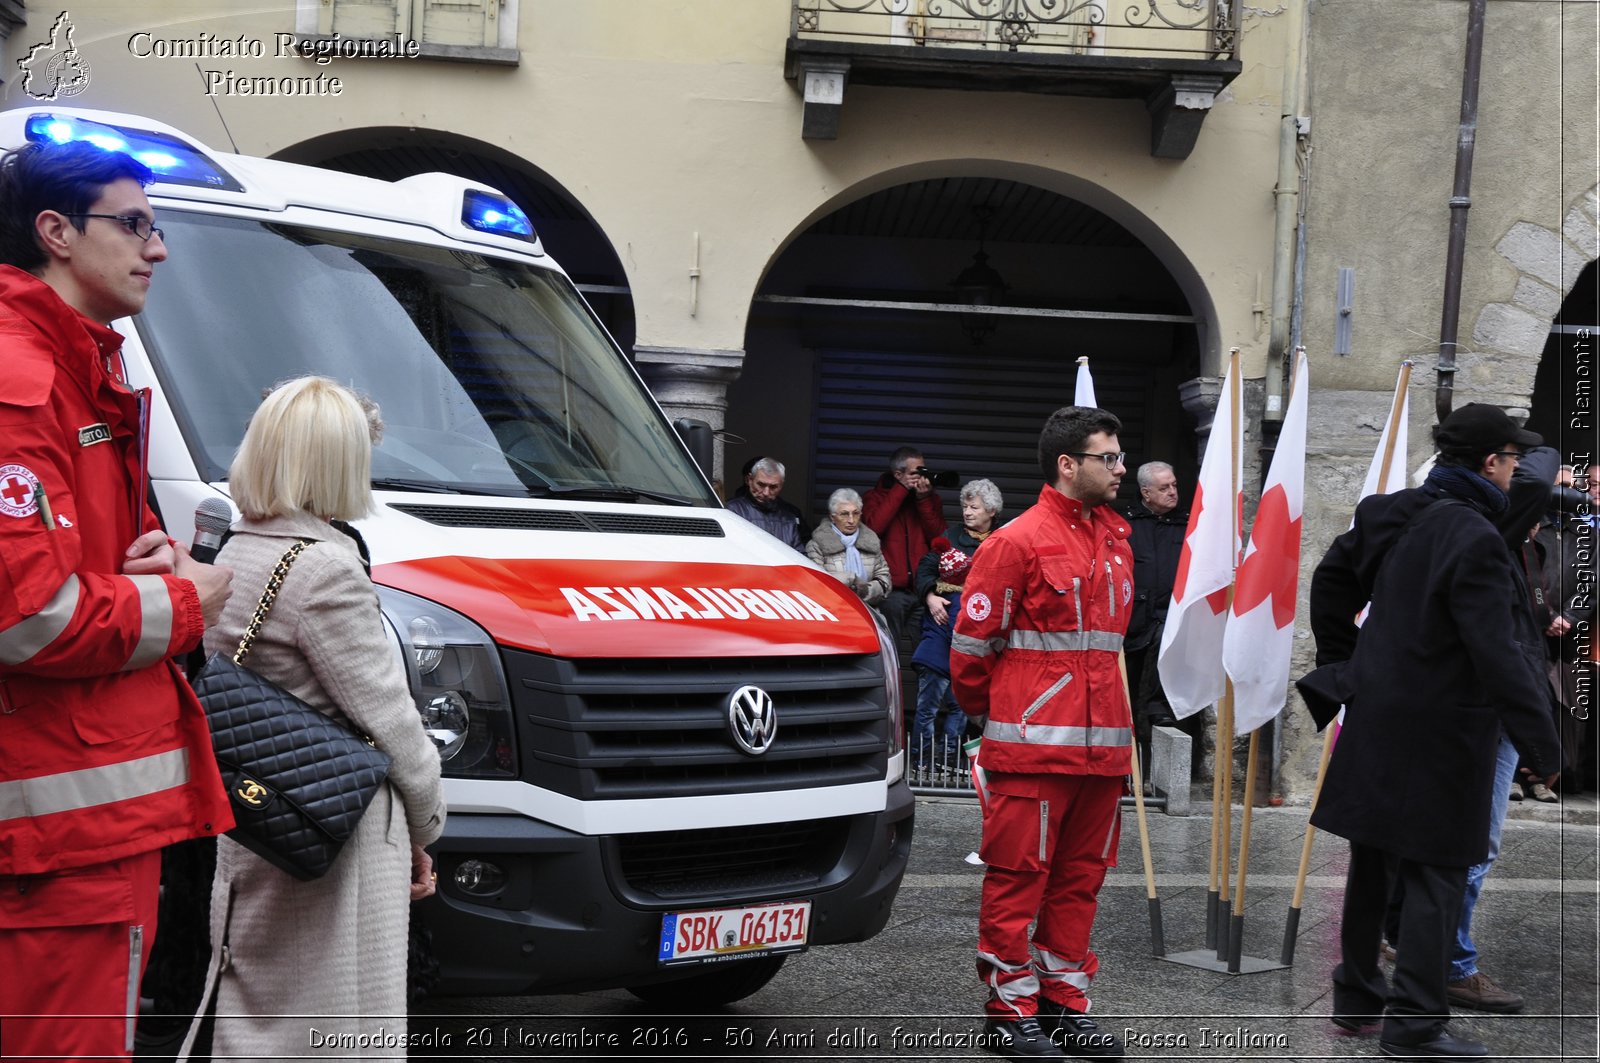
<point>1174,55</point>
<point>1187,29</point>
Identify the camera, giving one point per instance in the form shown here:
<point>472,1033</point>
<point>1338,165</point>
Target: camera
<point>1569,500</point>
<point>938,479</point>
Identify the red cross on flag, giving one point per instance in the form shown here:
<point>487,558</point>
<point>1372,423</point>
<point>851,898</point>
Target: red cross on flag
<point>1190,661</point>
<point>1260,636</point>
<point>1083,393</point>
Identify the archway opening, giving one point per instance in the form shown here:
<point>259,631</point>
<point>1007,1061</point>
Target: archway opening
<point>860,340</point>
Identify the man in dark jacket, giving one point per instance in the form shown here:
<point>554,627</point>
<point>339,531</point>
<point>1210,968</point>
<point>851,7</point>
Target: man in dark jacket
<point>1158,524</point>
<point>1435,673</point>
<point>759,502</point>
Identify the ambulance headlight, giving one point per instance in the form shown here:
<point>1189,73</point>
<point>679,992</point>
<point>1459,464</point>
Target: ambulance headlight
<point>896,722</point>
<point>453,668</point>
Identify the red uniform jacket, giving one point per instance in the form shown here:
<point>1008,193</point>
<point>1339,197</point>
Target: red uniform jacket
<point>1043,614</point>
<point>104,751</point>
<point>905,525</point>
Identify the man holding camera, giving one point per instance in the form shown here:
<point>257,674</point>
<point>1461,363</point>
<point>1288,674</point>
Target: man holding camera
<point>906,514</point>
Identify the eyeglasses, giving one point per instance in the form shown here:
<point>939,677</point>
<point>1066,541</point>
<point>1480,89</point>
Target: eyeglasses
<point>1514,455</point>
<point>143,228</point>
<point>1111,460</point>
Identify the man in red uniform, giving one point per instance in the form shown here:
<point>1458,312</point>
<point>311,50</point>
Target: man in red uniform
<point>906,515</point>
<point>1035,650</point>
<point>105,755</point>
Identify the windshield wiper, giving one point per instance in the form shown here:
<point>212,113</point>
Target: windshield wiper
<point>397,483</point>
<point>613,493</point>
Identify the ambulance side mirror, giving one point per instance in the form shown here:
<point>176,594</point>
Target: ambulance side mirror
<point>696,435</point>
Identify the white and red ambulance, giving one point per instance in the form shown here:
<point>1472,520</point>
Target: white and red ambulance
<point>671,745</point>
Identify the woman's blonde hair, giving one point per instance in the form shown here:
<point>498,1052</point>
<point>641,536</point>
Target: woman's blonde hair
<point>308,447</point>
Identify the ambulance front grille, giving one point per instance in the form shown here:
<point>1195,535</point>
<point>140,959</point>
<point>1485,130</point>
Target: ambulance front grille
<point>724,862</point>
<point>608,729</point>
<point>507,517</point>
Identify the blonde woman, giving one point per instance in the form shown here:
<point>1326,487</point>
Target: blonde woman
<point>316,962</point>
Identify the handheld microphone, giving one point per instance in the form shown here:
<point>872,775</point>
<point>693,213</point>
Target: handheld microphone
<point>212,518</point>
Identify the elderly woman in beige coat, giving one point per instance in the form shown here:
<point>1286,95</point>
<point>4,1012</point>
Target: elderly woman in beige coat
<point>850,551</point>
<point>308,968</point>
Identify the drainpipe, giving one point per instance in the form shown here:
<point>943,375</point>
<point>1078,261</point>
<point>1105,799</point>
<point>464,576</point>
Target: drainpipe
<point>1460,202</point>
<point>1286,211</point>
<point>1285,262</point>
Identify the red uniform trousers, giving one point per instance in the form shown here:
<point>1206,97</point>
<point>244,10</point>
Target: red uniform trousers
<point>73,945</point>
<point>1047,842</point>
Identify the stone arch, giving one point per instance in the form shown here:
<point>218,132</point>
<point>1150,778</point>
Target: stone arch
<point>1548,262</point>
<point>1178,262</point>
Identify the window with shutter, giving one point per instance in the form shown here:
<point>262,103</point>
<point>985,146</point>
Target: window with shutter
<point>464,23</point>
<point>364,19</point>
<point>468,30</point>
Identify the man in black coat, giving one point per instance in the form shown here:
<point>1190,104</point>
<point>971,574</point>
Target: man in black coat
<point>1435,673</point>
<point>1157,524</point>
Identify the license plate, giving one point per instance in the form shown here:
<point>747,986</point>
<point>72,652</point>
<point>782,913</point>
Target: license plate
<point>716,934</point>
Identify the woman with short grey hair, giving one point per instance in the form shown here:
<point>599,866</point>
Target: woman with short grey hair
<point>848,551</point>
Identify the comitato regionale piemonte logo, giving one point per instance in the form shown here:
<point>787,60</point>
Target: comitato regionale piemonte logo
<point>55,69</point>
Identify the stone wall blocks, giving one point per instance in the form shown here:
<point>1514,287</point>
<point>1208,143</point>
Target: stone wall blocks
<point>1536,250</point>
<point>1580,231</point>
<point>1538,299</point>
<point>1503,327</point>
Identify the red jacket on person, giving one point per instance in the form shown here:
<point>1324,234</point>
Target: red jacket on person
<point>1043,614</point>
<point>905,524</point>
<point>104,750</point>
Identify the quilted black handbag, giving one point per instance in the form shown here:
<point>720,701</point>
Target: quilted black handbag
<point>299,781</point>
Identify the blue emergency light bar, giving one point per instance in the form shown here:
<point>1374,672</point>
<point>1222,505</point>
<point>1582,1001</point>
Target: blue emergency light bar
<point>170,159</point>
<point>490,213</point>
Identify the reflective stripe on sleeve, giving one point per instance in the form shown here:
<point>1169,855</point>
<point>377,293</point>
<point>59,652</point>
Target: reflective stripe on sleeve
<point>1065,640</point>
<point>68,791</point>
<point>20,641</point>
<point>1038,735</point>
<point>976,647</point>
<point>155,622</point>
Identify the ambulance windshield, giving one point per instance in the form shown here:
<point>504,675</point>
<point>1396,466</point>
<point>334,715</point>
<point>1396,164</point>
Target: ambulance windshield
<point>492,376</point>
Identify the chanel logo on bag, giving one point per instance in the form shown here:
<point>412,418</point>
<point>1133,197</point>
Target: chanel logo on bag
<point>252,793</point>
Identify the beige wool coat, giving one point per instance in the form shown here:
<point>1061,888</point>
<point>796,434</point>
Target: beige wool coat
<point>827,550</point>
<point>322,961</point>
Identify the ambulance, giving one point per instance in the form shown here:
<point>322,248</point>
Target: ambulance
<point>672,747</point>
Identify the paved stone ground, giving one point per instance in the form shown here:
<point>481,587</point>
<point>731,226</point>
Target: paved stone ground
<point>1536,928</point>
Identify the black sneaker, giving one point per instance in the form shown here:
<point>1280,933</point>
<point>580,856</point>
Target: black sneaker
<point>1079,1035</point>
<point>1020,1038</point>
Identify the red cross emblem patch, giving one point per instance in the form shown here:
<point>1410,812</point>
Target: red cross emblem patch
<point>17,487</point>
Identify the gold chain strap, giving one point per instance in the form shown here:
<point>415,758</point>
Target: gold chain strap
<point>274,581</point>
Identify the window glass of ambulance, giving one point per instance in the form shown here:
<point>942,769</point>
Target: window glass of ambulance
<point>492,376</point>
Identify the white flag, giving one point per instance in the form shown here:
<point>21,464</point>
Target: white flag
<point>1396,480</point>
<point>1260,635</point>
<point>1084,394</point>
<point>1190,661</point>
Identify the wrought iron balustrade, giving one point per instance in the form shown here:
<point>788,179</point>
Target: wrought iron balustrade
<point>1178,29</point>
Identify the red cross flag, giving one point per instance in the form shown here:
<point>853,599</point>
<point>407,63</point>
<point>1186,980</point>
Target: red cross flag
<point>1083,394</point>
<point>1260,636</point>
<point>1190,661</point>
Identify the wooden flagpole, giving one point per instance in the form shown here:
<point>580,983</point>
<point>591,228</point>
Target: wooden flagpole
<point>1236,925</point>
<point>1223,767</point>
<point>1158,943</point>
<point>1291,928</point>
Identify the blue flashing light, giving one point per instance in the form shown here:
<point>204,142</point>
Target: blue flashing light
<point>491,213</point>
<point>172,160</point>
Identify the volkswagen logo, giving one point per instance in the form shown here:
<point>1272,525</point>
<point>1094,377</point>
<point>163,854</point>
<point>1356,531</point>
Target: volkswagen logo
<point>752,720</point>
